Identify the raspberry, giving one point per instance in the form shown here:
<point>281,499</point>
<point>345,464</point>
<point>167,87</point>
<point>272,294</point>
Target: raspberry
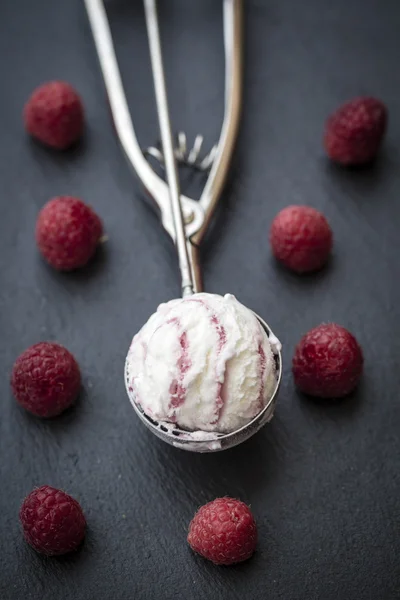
<point>301,238</point>
<point>354,133</point>
<point>45,379</point>
<point>67,232</point>
<point>223,531</point>
<point>52,521</point>
<point>54,115</point>
<point>328,362</point>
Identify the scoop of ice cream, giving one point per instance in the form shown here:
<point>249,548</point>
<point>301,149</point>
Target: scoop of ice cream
<point>203,362</point>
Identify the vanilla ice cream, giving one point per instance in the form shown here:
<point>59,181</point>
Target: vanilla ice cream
<point>203,362</point>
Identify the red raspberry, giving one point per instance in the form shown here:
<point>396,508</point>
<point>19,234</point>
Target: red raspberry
<point>354,133</point>
<point>328,362</point>
<point>54,115</point>
<point>53,521</point>
<point>223,531</point>
<point>301,238</point>
<point>67,232</point>
<point>45,379</point>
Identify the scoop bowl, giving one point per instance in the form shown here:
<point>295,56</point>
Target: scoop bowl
<point>205,441</point>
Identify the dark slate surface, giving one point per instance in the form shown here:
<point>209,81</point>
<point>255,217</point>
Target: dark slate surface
<point>323,479</point>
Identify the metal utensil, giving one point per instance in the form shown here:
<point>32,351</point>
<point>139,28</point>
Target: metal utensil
<point>184,219</point>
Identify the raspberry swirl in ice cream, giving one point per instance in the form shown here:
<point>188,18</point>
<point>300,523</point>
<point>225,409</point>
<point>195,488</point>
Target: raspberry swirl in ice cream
<point>203,362</point>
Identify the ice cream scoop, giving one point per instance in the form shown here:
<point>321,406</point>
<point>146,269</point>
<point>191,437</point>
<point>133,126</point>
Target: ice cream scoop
<point>204,371</point>
<point>203,363</point>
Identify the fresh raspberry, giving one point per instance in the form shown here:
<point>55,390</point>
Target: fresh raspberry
<point>223,531</point>
<point>328,362</point>
<point>45,379</point>
<point>54,115</point>
<point>301,238</point>
<point>354,133</point>
<point>53,521</point>
<point>67,232</point>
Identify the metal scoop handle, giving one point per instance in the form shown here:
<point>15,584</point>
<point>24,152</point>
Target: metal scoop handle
<point>196,214</point>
